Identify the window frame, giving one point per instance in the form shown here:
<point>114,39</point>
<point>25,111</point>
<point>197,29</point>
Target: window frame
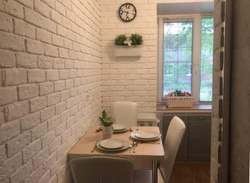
<point>197,22</point>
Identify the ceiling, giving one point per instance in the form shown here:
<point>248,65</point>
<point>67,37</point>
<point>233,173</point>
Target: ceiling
<point>185,8</point>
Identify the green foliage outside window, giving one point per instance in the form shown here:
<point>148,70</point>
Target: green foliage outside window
<point>177,63</point>
<point>177,56</point>
<point>206,59</point>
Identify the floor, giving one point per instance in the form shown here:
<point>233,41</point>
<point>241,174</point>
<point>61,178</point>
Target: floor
<point>181,173</point>
<point>190,173</point>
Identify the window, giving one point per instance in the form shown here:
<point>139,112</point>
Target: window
<point>186,56</point>
<point>206,59</point>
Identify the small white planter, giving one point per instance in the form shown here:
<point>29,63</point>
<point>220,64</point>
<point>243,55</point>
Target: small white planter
<point>128,51</point>
<point>107,132</point>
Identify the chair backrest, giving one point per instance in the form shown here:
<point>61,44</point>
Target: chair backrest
<point>173,140</point>
<point>125,112</point>
<point>102,169</point>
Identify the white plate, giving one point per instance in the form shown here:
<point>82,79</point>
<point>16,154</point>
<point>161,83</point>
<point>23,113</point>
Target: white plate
<point>119,127</point>
<point>147,134</point>
<point>125,146</point>
<point>111,143</point>
<point>120,131</point>
<point>133,135</point>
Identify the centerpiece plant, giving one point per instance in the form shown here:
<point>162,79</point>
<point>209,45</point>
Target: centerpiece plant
<point>107,122</point>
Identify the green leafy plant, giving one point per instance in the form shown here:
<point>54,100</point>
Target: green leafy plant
<point>136,39</point>
<point>133,39</point>
<point>106,120</point>
<point>119,40</point>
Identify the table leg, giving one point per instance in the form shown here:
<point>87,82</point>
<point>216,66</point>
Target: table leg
<point>154,171</point>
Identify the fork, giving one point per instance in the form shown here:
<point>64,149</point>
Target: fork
<point>135,144</point>
<point>130,147</point>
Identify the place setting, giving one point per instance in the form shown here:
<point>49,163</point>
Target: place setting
<point>112,145</point>
<point>118,128</point>
<point>145,135</point>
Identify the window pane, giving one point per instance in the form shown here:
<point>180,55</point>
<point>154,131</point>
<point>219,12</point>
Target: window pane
<point>177,57</point>
<point>206,69</point>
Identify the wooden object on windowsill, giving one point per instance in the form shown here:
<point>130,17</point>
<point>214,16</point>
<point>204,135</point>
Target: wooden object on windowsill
<point>180,101</point>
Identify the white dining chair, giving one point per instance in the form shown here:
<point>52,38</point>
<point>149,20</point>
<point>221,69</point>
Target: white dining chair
<point>125,112</point>
<point>172,143</point>
<point>102,169</point>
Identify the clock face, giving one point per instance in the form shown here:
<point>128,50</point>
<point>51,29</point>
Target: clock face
<point>127,12</point>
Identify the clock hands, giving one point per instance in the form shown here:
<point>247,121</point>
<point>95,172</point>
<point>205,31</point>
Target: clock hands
<point>126,15</point>
<point>122,11</point>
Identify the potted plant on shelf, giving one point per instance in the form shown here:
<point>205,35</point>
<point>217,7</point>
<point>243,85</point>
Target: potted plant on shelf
<point>107,125</point>
<point>128,45</point>
<point>120,40</point>
<point>136,39</point>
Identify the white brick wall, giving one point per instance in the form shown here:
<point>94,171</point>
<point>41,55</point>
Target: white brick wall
<point>50,60</point>
<point>129,78</point>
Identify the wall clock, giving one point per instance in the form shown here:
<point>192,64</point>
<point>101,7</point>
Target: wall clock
<point>127,12</point>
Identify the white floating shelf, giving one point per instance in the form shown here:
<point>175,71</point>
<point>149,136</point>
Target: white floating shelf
<point>128,51</point>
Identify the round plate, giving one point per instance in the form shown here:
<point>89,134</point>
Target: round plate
<point>147,134</point>
<point>111,143</point>
<point>119,127</point>
<point>120,131</point>
<point>125,146</point>
<point>133,135</point>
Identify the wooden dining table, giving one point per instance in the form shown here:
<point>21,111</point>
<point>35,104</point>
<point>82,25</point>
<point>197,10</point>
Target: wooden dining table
<point>146,156</point>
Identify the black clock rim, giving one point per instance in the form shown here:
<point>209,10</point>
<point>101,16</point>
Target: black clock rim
<point>130,19</point>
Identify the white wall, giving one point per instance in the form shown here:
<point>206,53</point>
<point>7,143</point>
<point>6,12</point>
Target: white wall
<point>50,85</point>
<point>129,78</point>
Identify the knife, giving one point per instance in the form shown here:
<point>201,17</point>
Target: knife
<point>94,147</point>
<point>130,147</point>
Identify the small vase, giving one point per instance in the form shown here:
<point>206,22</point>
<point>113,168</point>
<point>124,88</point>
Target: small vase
<point>107,132</point>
